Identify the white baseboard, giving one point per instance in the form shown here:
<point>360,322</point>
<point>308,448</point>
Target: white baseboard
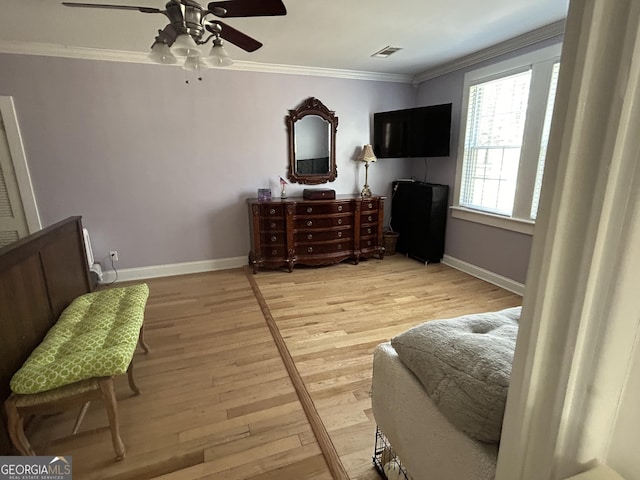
<point>174,269</point>
<point>486,275</point>
<point>155,271</point>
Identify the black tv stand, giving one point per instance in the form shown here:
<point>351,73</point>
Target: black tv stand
<point>419,215</point>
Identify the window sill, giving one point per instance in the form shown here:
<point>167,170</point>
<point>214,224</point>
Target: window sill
<point>513,224</point>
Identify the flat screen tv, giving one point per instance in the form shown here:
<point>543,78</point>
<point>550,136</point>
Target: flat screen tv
<point>413,132</point>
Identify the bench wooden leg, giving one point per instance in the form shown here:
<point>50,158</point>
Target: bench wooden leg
<point>83,411</point>
<point>145,347</point>
<point>132,384</point>
<point>15,425</point>
<point>109,398</point>
<point>141,341</point>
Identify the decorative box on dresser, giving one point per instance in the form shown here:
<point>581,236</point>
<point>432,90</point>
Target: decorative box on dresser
<point>286,232</point>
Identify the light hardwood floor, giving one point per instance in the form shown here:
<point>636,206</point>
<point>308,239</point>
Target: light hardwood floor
<point>332,318</point>
<point>216,399</point>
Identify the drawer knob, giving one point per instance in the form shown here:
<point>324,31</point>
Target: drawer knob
<point>368,230</point>
<point>339,208</point>
<point>273,224</point>
<point>339,221</point>
<point>272,211</point>
<point>274,238</point>
<point>274,252</point>
<point>369,243</point>
<point>370,217</point>
<point>339,246</point>
<point>309,209</point>
<point>339,234</point>
<point>309,223</point>
<point>370,205</point>
<point>310,236</point>
<point>310,249</point>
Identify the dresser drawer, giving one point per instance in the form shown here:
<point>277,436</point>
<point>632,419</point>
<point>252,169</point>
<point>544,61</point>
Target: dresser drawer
<point>368,230</point>
<point>369,205</point>
<point>367,242</point>
<point>322,235</point>
<point>325,248</point>
<point>273,238</point>
<point>273,251</point>
<point>323,208</point>
<point>369,218</point>
<point>272,225</point>
<point>307,222</point>
<point>271,210</point>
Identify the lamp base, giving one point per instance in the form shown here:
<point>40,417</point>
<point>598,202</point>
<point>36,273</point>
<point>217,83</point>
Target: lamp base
<point>366,191</point>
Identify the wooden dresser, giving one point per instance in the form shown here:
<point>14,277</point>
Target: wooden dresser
<point>314,232</point>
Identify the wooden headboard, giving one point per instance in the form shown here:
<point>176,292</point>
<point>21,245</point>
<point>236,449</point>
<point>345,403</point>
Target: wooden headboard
<point>39,276</point>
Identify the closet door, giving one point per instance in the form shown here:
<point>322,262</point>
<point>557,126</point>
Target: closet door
<point>13,223</point>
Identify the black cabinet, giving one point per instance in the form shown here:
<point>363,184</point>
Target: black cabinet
<point>419,215</point>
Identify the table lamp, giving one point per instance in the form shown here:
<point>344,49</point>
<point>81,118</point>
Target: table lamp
<point>367,156</point>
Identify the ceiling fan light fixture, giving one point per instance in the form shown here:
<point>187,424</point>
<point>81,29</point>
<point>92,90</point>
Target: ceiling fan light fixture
<point>188,21</point>
<point>185,46</point>
<point>161,53</point>
<point>218,55</point>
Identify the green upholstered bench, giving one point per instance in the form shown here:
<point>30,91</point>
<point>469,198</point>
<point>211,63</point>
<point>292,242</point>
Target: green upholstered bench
<point>93,340</point>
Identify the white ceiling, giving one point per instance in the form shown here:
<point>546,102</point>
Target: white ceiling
<point>315,33</point>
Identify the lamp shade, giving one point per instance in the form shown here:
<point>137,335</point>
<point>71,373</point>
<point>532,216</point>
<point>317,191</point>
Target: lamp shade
<point>367,154</point>
<point>160,53</point>
<point>185,46</point>
<point>218,55</point>
<point>194,64</point>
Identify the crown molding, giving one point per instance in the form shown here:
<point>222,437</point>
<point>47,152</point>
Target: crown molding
<point>53,50</point>
<point>321,72</point>
<point>552,30</point>
<point>547,32</point>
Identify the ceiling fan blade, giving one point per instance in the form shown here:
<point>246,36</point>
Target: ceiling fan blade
<point>114,7</point>
<point>236,37</point>
<point>250,8</point>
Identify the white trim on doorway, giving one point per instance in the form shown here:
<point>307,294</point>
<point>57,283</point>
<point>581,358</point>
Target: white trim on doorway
<point>19,158</point>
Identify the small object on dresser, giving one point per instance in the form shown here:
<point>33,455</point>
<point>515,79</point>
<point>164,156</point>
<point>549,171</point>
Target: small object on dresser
<point>264,194</point>
<point>283,192</point>
<point>319,194</point>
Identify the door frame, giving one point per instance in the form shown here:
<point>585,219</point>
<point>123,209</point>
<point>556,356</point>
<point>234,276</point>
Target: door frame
<point>19,159</point>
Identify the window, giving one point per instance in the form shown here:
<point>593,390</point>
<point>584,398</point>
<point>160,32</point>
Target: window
<point>545,139</point>
<point>506,123</point>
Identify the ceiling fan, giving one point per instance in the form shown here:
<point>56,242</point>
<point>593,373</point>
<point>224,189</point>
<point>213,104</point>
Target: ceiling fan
<point>188,21</point>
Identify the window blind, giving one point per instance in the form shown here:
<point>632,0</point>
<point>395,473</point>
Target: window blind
<point>496,116</point>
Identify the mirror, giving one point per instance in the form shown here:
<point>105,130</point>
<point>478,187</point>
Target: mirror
<point>312,143</point>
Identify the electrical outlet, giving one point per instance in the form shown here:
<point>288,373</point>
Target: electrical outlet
<point>114,255</point>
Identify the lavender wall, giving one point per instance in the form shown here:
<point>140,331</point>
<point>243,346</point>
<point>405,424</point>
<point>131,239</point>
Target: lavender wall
<point>160,169</point>
<point>500,251</point>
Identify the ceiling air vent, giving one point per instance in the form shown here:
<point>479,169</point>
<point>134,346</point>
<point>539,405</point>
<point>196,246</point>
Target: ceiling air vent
<point>386,51</point>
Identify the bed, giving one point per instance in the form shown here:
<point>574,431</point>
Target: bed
<point>438,397</point>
